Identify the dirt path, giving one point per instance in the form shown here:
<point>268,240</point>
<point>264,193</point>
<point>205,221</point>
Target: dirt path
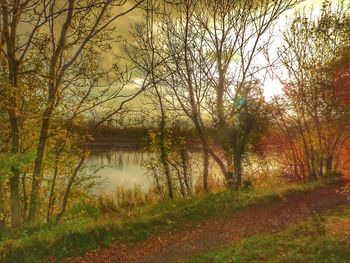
<point>262,219</point>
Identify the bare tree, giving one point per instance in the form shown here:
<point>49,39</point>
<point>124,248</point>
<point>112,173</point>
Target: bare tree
<point>83,23</point>
<point>209,52</point>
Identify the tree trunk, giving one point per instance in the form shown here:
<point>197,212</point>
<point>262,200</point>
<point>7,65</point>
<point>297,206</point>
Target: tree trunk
<point>25,197</point>
<point>206,150</point>
<point>8,39</point>
<point>162,137</point>
<point>230,181</point>
<point>229,172</point>
<point>68,189</point>
<point>15,199</point>
<point>164,158</point>
<point>15,206</point>
<point>158,185</point>
<point>238,171</point>
<point>329,167</point>
<point>52,193</point>
<point>3,213</point>
<point>320,167</point>
<point>184,160</point>
<point>37,173</point>
<point>181,183</point>
<point>205,167</point>
<point>164,161</point>
<point>55,76</point>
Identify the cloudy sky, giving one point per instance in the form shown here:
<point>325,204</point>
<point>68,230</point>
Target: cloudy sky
<point>272,86</point>
<point>123,24</point>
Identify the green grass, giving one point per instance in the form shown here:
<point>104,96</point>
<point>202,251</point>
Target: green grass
<point>308,242</point>
<point>74,238</point>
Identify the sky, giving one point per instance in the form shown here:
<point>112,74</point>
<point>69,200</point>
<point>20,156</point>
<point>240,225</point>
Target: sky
<point>272,85</point>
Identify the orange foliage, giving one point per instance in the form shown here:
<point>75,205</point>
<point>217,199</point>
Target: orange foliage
<point>341,80</point>
<point>274,141</point>
<point>344,161</point>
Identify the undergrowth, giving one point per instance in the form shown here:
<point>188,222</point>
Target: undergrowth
<point>44,243</point>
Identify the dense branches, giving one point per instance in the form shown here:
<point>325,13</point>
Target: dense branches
<point>312,109</point>
<point>52,53</point>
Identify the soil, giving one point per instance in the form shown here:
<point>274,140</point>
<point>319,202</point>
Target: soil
<point>265,218</point>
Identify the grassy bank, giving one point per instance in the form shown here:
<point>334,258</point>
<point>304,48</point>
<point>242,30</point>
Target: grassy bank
<point>44,243</point>
<point>313,241</point>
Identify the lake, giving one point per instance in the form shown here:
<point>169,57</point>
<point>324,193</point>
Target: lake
<point>125,166</point>
<point>118,166</point>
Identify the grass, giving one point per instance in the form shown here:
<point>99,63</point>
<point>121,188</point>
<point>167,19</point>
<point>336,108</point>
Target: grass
<point>307,242</point>
<point>44,243</point>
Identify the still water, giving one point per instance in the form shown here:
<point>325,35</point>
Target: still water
<point>126,167</point>
<point>118,167</point>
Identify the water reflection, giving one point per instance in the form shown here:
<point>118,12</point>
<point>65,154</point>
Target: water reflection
<point>119,167</point>
<point>126,167</point>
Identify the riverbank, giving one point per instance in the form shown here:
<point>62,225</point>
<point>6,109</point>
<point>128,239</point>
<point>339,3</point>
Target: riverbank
<point>56,242</point>
<point>321,238</point>
<point>290,208</point>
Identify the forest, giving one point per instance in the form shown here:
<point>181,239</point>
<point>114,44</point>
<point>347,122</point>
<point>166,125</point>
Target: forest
<point>174,131</point>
